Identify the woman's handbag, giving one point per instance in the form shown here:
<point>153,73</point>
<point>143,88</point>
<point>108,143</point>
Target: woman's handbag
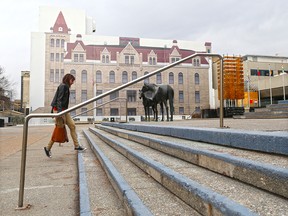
<point>60,134</point>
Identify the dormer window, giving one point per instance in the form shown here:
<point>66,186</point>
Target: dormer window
<point>60,29</point>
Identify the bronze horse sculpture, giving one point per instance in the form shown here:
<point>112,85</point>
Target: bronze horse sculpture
<point>160,95</point>
<point>147,103</point>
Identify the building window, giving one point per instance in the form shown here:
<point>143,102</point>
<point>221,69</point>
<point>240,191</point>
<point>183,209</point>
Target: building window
<point>61,74</point>
<point>57,76</point>
<point>57,57</point>
<point>134,75</point>
<point>197,97</point>
<point>62,57</point>
<point>114,95</point>
<point>197,79</point>
<point>181,110</point>
<point>99,92</point>
<point>83,95</point>
<point>174,59</point>
<point>62,43</point>
<point>73,72</point>
<point>158,78</point>
<point>152,60</point>
<point>181,97</point>
<point>76,58</point>
<point>84,76</point>
<point>114,112</point>
<point>72,96</point>
<point>98,77</point>
<point>51,75</point>
<point>131,111</point>
<point>171,78</point>
<point>112,77</point>
<point>52,41</point>
<point>105,59</point>
<point>129,59</point>
<point>196,62</point>
<point>147,79</point>
<point>84,111</point>
<point>81,58</point>
<point>131,95</point>
<point>99,112</point>
<point>51,56</point>
<point>180,78</point>
<point>124,77</point>
<point>57,42</point>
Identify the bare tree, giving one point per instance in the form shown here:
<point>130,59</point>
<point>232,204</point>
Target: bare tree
<point>6,90</point>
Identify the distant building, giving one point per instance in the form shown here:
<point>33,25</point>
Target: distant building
<point>102,63</point>
<point>25,89</point>
<point>264,75</point>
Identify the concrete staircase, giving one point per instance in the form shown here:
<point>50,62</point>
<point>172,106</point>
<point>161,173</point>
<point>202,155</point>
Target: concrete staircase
<point>272,111</point>
<point>158,170</point>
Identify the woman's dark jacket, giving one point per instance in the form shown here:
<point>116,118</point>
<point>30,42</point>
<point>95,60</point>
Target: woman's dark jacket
<point>61,98</point>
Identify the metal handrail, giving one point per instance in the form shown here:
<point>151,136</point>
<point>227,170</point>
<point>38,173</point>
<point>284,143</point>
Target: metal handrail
<point>41,115</point>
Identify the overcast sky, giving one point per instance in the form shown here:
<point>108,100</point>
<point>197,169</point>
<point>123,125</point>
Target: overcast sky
<point>234,27</point>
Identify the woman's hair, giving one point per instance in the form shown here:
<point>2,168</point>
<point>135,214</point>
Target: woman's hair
<point>66,79</point>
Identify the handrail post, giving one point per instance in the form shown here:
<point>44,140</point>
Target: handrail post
<point>221,95</point>
<point>23,162</point>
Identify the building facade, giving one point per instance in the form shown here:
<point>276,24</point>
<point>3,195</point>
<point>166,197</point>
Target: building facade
<point>103,63</point>
<point>266,79</point>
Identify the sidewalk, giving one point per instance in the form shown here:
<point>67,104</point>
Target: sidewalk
<point>51,184</point>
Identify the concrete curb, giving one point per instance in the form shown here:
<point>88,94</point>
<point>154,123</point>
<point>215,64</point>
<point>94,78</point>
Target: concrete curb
<point>204,200</point>
<point>85,209</point>
<point>270,142</point>
<point>267,177</point>
<point>132,202</point>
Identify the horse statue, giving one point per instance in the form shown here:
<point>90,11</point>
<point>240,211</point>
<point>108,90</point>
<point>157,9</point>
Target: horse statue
<point>160,95</point>
<point>147,103</point>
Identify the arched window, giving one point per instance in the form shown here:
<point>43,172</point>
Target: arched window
<point>84,76</point>
<point>124,77</point>
<point>111,77</point>
<point>107,59</point>
<point>147,79</point>
<point>103,58</point>
<point>62,43</point>
<point>57,42</point>
<point>158,78</point>
<point>73,72</point>
<point>171,78</point>
<point>98,77</point>
<point>134,75</point>
<point>52,42</point>
<point>180,78</point>
<point>197,79</point>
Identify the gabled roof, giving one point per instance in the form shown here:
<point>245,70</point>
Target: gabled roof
<point>93,52</point>
<point>60,25</point>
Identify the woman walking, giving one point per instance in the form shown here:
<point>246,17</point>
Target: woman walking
<point>59,103</point>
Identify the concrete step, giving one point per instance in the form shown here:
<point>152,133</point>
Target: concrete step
<point>238,164</point>
<point>139,192</point>
<point>97,195</point>
<point>198,187</point>
<point>270,142</point>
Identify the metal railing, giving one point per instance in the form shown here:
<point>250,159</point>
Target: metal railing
<point>42,115</point>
